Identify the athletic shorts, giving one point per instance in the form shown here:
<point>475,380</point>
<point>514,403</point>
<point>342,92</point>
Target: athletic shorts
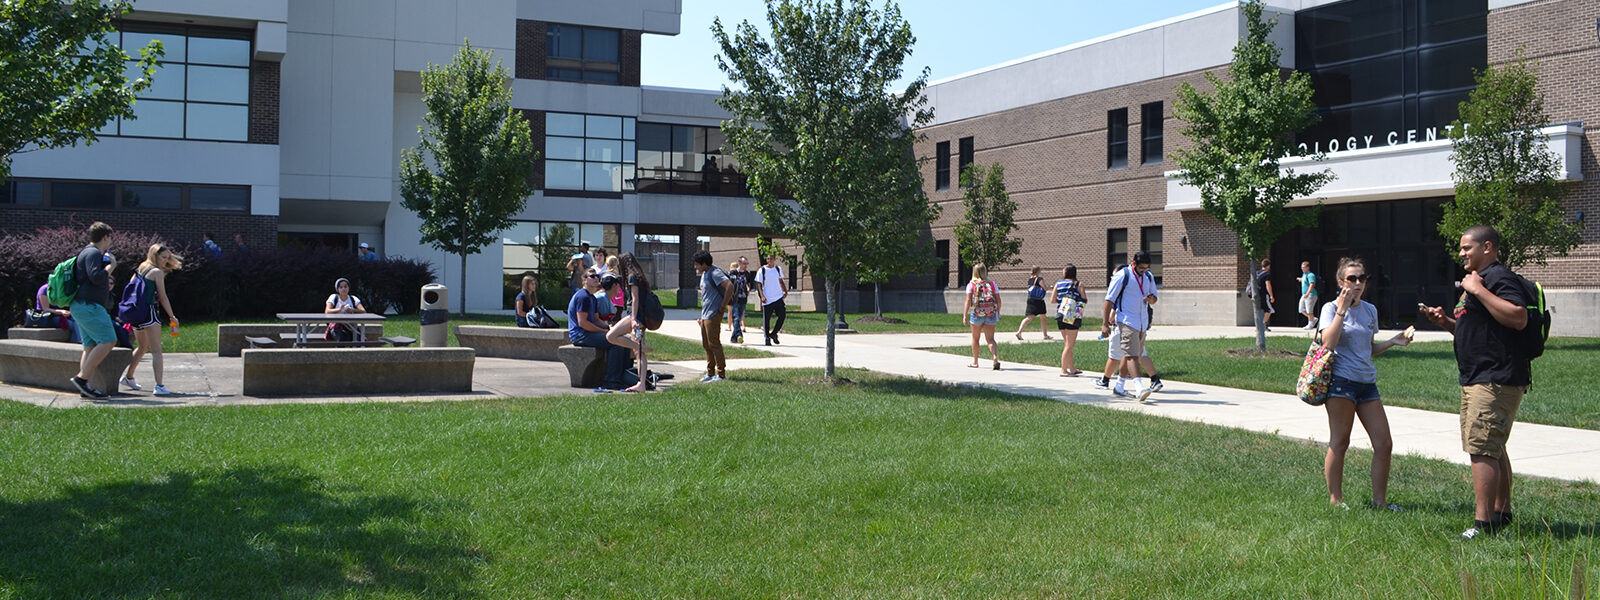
<point>1487,412</point>
<point>1074,324</point>
<point>94,324</point>
<point>1035,307</point>
<point>1308,304</point>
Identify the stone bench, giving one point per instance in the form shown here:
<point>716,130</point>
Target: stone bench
<point>231,336</point>
<point>356,371</point>
<point>49,365</point>
<point>34,333</point>
<point>585,366</point>
<point>523,343</point>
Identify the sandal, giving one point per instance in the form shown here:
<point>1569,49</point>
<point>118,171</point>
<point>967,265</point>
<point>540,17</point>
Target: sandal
<point>972,366</point>
<point>997,365</point>
<point>1019,337</point>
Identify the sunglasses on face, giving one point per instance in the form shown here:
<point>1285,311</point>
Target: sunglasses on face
<point>591,276</point>
<point>1356,278</point>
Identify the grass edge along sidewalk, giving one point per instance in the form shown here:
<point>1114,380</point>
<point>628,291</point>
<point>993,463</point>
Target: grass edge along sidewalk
<point>889,487</point>
<point>1566,389</point>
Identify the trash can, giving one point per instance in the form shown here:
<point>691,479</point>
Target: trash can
<point>435,315</point>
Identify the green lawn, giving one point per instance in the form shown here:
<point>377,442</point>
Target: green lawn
<point>815,323</point>
<point>201,336</point>
<point>1566,384</point>
<point>765,486</point>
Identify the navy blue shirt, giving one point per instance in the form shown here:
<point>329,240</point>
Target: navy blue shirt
<point>582,301</point>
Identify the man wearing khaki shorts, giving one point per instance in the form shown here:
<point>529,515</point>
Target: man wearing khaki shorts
<point>1131,293</point>
<point>1495,371</point>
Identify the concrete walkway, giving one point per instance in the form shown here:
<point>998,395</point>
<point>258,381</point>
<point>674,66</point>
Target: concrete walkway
<point>1538,450</point>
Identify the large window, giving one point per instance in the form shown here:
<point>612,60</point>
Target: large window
<point>965,159</point>
<point>522,242</point>
<point>941,166</point>
<point>583,54</point>
<point>200,90</point>
<point>588,152</point>
<point>110,195</point>
<point>687,159</point>
<point>1150,126</point>
<point>1116,251</point>
<point>1117,138</point>
<point>1150,242</point>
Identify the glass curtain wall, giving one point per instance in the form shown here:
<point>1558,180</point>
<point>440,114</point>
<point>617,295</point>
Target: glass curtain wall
<point>687,159</point>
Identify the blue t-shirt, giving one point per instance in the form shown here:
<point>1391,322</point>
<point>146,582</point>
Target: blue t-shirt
<point>711,292</point>
<point>1308,282</point>
<point>1127,294</point>
<point>1353,358</point>
<point>582,301</point>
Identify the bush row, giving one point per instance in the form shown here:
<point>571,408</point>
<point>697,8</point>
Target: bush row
<point>256,283</point>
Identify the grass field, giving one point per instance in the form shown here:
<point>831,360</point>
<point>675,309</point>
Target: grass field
<point>201,336</point>
<point>765,486</point>
<point>1566,387</point>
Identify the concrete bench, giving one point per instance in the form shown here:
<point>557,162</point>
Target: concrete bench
<point>354,371</point>
<point>512,342</point>
<point>260,342</point>
<point>231,336</point>
<point>585,366</point>
<point>398,341</point>
<point>49,365</point>
<point>34,333</point>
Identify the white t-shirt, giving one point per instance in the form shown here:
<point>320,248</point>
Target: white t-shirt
<point>771,281</point>
<point>333,300</point>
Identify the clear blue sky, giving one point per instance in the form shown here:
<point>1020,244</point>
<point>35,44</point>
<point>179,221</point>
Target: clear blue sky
<point>952,37</point>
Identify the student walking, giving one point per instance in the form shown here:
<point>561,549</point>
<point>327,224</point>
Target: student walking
<point>1495,370</point>
<point>149,280</point>
<point>770,289</point>
<point>715,292</point>
<point>1261,286</point>
<point>92,271</point>
<point>982,312</point>
<point>741,298</point>
<point>1069,301</point>
<point>1132,291</point>
<point>1348,326</point>
<point>1308,294</point>
<point>1036,307</point>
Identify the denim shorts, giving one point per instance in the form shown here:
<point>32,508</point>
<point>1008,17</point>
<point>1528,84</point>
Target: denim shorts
<point>976,320</point>
<point>1354,390</point>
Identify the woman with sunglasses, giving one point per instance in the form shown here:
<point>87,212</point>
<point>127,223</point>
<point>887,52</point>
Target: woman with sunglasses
<point>1347,327</point>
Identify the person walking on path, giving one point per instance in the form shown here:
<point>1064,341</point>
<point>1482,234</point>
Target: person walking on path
<point>1308,294</point>
<point>92,271</point>
<point>741,298</point>
<point>1035,308</point>
<point>1261,288</point>
<point>770,289</point>
<point>716,290</point>
<point>1132,290</point>
<point>1068,300</point>
<point>1348,326</point>
<point>1495,371</point>
<point>158,262</point>
<point>982,312</point>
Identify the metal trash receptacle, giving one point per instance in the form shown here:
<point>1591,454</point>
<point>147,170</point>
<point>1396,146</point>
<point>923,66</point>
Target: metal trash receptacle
<point>435,315</point>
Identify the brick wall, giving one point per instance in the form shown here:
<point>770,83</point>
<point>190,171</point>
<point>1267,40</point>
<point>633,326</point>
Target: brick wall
<point>260,231</point>
<point>263,102</point>
<point>630,56</point>
<point>536,132</point>
<point>1558,37</point>
<point>530,49</point>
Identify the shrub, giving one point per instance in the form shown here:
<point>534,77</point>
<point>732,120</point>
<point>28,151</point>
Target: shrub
<point>30,257</point>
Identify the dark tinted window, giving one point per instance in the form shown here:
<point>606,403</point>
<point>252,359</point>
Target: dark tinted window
<point>152,196</point>
<point>941,166</point>
<point>216,198</point>
<point>1117,138</point>
<point>1116,250</point>
<point>75,194</point>
<point>24,193</point>
<point>966,157</point>
<point>1151,129</point>
<point>589,54</point>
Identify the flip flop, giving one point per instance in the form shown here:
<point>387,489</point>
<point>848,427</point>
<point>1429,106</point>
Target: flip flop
<point>972,366</point>
<point>601,390</point>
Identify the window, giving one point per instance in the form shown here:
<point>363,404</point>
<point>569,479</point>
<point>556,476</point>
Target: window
<point>1117,138</point>
<point>965,160</point>
<point>522,243</point>
<point>200,89</point>
<point>941,166</point>
<point>110,195</point>
<point>1150,126</point>
<point>686,159</point>
<point>1116,251</point>
<point>1150,241</point>
<point>588,152</point>
<point>586,54</point>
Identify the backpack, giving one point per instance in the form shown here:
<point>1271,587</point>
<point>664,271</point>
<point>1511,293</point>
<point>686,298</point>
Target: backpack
<point>741,286</point>
<point>1534,335</point>
<point>983,304</point>
<point>540,318</point>
<point>62,287</point>
<point>651,314</point>
<point>135,305</point>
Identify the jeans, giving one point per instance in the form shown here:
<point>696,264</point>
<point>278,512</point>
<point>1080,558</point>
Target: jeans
<point>776,307</point>
<point>736,317</point>
<point>1261,326</point>
<point>711,340</point>
<point>616,356</point>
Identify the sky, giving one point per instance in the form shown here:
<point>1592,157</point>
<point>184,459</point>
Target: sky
<point>953,37</point>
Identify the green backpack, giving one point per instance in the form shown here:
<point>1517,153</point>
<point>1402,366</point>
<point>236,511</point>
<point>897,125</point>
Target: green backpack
<point>62,287</point>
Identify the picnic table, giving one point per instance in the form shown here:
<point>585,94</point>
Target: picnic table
<point>303,323</point>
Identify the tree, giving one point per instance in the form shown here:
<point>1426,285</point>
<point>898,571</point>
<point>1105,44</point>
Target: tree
<point>1505,176</point>
<point>554,251</point>
<point>61,78</point>
<point>814,118</point>
<point>482,150</point>
<point>984,234</point>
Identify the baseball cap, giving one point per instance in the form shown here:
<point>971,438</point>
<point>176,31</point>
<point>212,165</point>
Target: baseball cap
<point>610,281</point>
<point>1141,257</point>
<point>366,245</point>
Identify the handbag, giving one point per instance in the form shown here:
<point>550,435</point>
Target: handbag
<point>1316,375</point>
<point>41,319</point>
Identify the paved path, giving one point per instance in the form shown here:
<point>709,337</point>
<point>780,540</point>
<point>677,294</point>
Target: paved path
<point>1539,450</point>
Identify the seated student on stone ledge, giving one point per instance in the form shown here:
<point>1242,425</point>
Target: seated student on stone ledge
<point>41,303</point>
<point>528,297</point>
<point>586,327</point>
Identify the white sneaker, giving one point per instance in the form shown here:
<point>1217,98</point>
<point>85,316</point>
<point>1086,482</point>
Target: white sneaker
<point>716,378</point>
<point>1310,326</point>
<point>161,390</point>
<point>132,385</point>
<point>1144,394</point>
<point>707,378</point>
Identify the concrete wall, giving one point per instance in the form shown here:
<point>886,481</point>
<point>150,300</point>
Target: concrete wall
<point>649,16</point>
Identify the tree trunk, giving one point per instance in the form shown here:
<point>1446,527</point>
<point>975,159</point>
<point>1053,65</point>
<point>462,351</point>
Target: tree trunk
<point>463,293</point>
<point>877,299</point>
<point>827,364</point>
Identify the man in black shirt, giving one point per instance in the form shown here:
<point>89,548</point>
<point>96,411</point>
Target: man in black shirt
<point>89,308</point>
<point>1261,283</point>
<point>1495,370</point>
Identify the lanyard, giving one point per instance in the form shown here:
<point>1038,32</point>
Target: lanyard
<point>1139,280</point>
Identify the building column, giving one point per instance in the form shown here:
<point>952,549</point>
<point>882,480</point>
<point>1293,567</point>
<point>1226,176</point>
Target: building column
<point>688,279</point>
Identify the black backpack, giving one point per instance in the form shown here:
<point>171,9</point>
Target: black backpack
<point>651,313</point>
<point>1537,331</point>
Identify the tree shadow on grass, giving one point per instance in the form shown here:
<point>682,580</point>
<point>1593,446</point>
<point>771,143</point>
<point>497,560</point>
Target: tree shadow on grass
<point>237,533</point>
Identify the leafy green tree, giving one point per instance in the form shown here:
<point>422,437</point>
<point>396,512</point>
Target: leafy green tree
<point>1240,131</point>
<point>984,233</point>
<point>61,77</point>
<point>555,249</point>
<point>1505,176</point>
<point>813,119</point>
<point>482,150</point>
